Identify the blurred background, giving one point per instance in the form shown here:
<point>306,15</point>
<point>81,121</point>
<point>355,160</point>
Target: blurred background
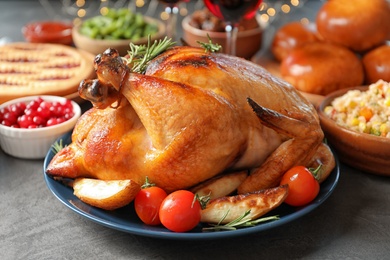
<point>73,10</point>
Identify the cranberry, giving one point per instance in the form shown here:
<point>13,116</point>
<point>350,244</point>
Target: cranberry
<point>34,104</point>
<point>68,104</point>
<point>30,112</point>
<point>39,121</point>
<point>45,104</point>
<point>24,121</point>
<point>60,120</point>
<point>68,115</point>
<point>4,110</point>
<point>6,123</point>
<point>43,111</point>
<point>10,117</point>
<point>17,108</point>
<point>55,121</point>
<point>57,110</point>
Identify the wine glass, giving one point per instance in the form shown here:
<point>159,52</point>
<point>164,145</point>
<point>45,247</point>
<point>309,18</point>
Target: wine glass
<point>232,12</point>
<point>172,9</point>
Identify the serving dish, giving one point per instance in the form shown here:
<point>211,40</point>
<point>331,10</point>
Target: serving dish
<point>97,46</point>
<point>248,41</point>
<point>33,143</point>
<point>363,151</point>
<point>48,32</point>
<point>126,220</point>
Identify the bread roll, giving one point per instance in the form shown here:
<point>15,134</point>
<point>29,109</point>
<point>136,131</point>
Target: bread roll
<point>376,64</point>
<point>290,36</point>
<point>321,68</point>
<point>358,24</point>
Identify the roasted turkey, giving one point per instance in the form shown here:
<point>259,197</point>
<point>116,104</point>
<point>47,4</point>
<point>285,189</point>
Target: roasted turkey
<point>191,116</point>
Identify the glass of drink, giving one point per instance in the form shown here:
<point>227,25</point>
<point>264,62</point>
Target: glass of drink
<point>232,12</point>
<point>172,9</point>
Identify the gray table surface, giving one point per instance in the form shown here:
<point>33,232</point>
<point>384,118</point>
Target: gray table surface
<point>353,223</point>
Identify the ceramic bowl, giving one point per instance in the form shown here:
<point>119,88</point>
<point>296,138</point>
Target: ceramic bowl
<point>34,143</point>
<point>97,46</point>
<point>48,32</point>
<point>365,152</point>
<point>248,42</point>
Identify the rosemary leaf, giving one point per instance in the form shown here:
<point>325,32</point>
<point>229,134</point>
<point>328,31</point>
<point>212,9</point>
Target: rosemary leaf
<point>240,222</point>
<point>57,146</point>
<point>141,55</point>
<point>257,221</point>
<point>218,228</point>
<point>210,46</point>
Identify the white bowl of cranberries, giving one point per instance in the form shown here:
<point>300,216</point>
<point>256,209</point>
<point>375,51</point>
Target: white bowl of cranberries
<point>30,125</point>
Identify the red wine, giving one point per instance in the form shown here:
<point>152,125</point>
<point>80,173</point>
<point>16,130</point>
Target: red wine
<point>233,10</point>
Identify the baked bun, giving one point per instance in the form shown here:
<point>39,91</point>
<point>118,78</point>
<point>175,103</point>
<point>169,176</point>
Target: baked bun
<point>320,68</point>
<point>376,64</point>
<point>290,36</point>
<point>359,24</point>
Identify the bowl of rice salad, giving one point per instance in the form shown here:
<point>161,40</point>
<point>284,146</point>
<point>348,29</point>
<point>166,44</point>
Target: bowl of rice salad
<point>356,123</point>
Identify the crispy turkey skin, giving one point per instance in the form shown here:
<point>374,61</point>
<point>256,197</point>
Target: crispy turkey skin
<point>188,119</point>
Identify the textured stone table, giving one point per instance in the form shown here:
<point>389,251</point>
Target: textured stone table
<point>353,223</point>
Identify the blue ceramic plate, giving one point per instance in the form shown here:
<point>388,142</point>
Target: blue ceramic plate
<point>126,220</point>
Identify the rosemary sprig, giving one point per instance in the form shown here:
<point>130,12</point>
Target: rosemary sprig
<point>210,46</point>
<point>57,146</point>
<point>240,222</point>
<point>141,55</point>
<point>203,200</point>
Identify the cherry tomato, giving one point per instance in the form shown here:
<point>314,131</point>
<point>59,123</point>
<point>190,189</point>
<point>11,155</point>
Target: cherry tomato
<point>180,211</point>
<point>147,204</point>
<point>303,186</point>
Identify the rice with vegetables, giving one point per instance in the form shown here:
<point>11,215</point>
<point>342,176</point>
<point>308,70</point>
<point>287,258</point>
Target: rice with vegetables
<point>364,111</point>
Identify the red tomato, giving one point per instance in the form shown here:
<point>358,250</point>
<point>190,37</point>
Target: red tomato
<point>303,186</point>
<point>147,204</point>
<point>180,211</point>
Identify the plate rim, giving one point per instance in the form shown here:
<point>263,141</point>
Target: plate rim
<point>160,232</point>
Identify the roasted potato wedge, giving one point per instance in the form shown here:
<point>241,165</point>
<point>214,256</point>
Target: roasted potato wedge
<point>221,185</point>
<point>325,157</point>
<point>108,195</point>
<point>258,202</point>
